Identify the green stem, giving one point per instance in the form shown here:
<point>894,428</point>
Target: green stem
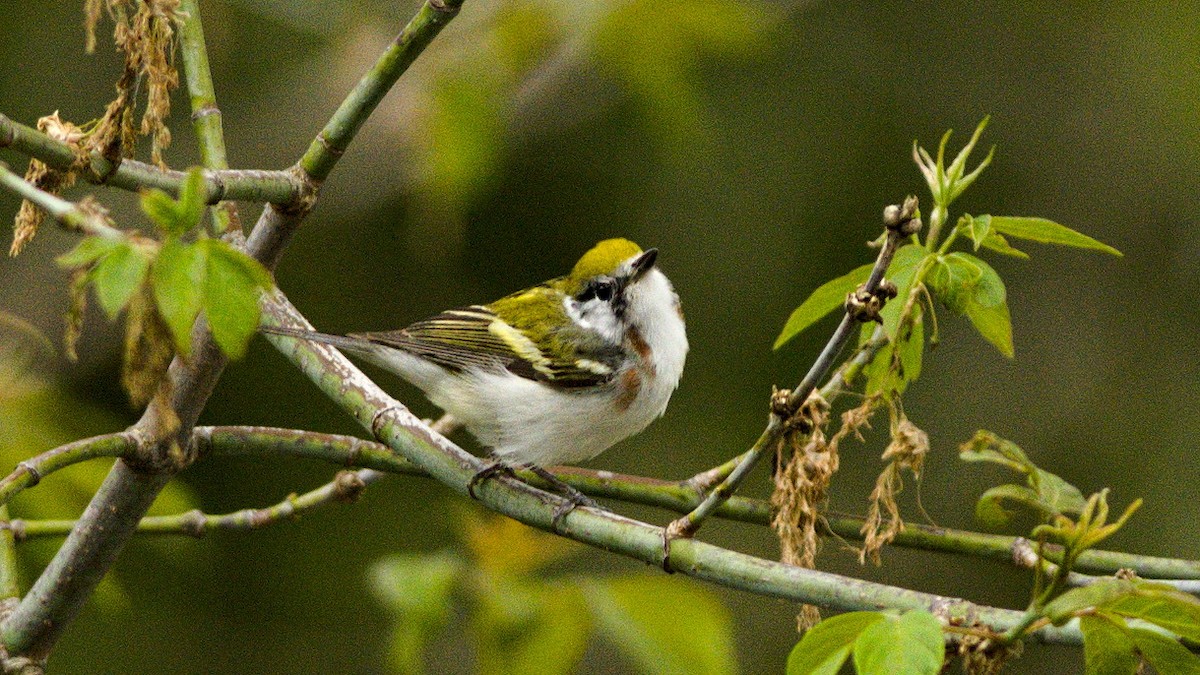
<point>275,187</point>
<point>392,423</point>
<point>10,581</point>
<point>206,116</point>
<point>64,212</point>
<point>677,496</point>
<point>327,148</point>
<point>689,524</point>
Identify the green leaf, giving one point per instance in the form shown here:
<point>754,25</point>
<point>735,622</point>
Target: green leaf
<point>231,293</point>
<point>990,510</point>
<point>417,588</point>
<point>977,229</point>
<point>192,201</point>
<point>87,251</point>
<point>987,306</point>
<point>1097,594</point>
<point>1047,232</point>
<point>1161,605</point>
<point>1107,648</point>
<point>664,625</point>
<point>901,272</point>
<point>177,278</point>
<point>953,278</point>
<point>829,296</point>
<point>911,643</point>
<point>826,646</point>
<point>534,628</point>
<point>997,243</point>
<point>161,209</point>
<point>118,276</point>
<point>1165,654</point>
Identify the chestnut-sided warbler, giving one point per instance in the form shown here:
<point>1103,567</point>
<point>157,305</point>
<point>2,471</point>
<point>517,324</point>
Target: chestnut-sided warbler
<point>553,374</point>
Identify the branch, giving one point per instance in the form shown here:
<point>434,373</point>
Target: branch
<point>679,496</point>
<point>276,187</point>
<point>64,212</point>
<point>329,145</point>
<point>900,223</point>
<point>393,424</point>
<point>164,431</point>
<point>206,116</point>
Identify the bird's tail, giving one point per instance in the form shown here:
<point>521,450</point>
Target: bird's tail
<point>339,341</point>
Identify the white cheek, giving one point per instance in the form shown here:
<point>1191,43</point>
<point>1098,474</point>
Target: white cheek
<point>595,315</point>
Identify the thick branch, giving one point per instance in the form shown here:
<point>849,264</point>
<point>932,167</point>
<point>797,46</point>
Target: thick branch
<point>276,187</point>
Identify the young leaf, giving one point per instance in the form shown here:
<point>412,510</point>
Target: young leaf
<point>231,289</point>
<point>1160,605</point>
<point>977,229</point>
<point>953,278</point>
<point>987,306</point>
<point>990,511</point>
<point>1047,232</point>
<point>1097,594</point>
<point>1107,647</point>
<point>191,200</point>
<point>118,275</point>
<point>87,251</point>
<point>177,277</point>
<point>826,646</point>
<point>664,625</point>
<point>1163,653</point>
<point>829,296</point>
<point>903,273</point>
<point>162,210</point>
<point>534,629</point>
<point>997,243</point>
<point>911,643</point>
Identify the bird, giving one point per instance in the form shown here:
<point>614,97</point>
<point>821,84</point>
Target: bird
<point>553,374</point>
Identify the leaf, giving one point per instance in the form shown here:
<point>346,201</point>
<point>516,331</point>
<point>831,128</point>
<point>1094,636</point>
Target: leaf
<point>539,629</point>
<point>1165,654</point>
<point>987,306</point>
<point>997,243</point>
<point>87,251</point>
<point>978,229</point>
<point>231,293</point>
<point>901,272</point>
<point>911,644</point>
<point>826,646</point>
<point>829,296</point>
<point>664,625</point>
<point>990,510</point>
<point>1160,605</point>
<point>161,209</point>
<point>177,277</point>
<point>1047,232</point>
<point>417,588</point>
<point>952,278</point>
<point>118,275</point>
<point>1107,648</point>
<point>192,201</point>
<point>1103,591</point>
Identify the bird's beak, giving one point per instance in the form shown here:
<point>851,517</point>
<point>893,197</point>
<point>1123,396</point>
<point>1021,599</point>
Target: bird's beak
<point>642,264</point>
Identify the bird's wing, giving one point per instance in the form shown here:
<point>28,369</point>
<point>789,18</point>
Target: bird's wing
<point>475,337</point>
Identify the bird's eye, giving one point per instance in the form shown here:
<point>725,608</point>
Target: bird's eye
<point>604,290</point>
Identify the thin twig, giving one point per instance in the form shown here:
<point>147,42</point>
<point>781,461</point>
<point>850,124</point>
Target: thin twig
<point>64,212</point>
<point>776,425</point>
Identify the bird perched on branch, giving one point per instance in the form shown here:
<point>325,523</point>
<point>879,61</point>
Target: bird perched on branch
<point>552,374</point>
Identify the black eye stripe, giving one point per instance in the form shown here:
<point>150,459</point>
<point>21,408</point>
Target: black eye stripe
<point>601,289</point>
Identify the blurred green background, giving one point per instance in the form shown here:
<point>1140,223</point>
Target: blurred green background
<point>753,143</point>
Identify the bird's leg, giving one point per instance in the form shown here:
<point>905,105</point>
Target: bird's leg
<point>497,466</point>
<point>574,497</point>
